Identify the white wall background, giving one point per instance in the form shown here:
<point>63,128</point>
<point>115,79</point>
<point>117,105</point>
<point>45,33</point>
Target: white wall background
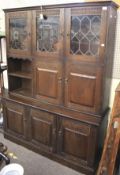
<point>22,3</point>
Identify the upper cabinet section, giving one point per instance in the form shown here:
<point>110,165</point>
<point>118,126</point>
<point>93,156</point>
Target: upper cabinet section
<point>86,33</point>
<point>48,32</point>
<point>19,34</point>
<point>77,31</point>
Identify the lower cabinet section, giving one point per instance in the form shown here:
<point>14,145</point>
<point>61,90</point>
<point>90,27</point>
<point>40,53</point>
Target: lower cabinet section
<point>76,141</point>
<point>15,119</point>
<point>67,140</point>
<point>43,129</point>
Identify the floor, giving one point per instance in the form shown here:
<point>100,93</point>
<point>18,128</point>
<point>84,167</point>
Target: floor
<point>33,163</point>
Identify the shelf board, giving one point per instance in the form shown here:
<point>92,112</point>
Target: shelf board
<point>22,91</point>
<point>21,74</point>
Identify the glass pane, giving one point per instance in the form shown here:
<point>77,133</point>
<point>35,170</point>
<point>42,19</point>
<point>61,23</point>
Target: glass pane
<point>85,35</point>
<point>48,34</point>
<point>18,33</point>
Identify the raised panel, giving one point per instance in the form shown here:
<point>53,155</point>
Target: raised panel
<point>78,135</point>
<point>82,89</point>
<point>47,82</point>
<point>77,142</point>
<point>43,129</point>
<point>15,121</point>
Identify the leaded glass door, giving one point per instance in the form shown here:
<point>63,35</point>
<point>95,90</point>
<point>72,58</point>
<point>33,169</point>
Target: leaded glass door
<point>86,32</point>
<point>19,34</point>
<point>48,32</point>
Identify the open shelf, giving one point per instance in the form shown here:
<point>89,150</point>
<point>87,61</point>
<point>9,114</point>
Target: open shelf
<point>21,74</point>
<point>20,85</point>
<point>22,91</point>
<point>20,77</point>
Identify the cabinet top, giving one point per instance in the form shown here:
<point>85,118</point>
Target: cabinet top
<point>68,5</point>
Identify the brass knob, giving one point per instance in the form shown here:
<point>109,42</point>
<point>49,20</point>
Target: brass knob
<point>68,34</point>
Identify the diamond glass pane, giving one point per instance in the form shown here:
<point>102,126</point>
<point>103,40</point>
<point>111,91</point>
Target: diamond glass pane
<point>18,33</point>
<point>48,34</point>
<point>85,35</point>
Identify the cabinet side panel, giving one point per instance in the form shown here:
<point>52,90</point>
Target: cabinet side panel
<point>110,42</point>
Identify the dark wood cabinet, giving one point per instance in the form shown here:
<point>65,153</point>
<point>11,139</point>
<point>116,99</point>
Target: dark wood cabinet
<point>83,87</point>
<point>15,119</point>
<point>49,88</point>
<point>43,130</point>
<point>75,141</point>
<point>86,31</point>
<point>19,34</point>
<point>59,73</point>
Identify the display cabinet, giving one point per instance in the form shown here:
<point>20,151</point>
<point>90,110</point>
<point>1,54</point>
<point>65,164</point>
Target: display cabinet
<point>59,72</point>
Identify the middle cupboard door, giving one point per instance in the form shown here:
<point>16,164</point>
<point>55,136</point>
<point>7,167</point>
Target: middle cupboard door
<point>43,130</point>
<point>48,81</point>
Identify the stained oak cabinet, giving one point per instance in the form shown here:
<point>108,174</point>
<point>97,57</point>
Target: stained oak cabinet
<point>16,119</point>
<point>59,76</point>
<point>75,141</point>
<point>43,130</point>
<point>19,34</point>
<point>86,33</point>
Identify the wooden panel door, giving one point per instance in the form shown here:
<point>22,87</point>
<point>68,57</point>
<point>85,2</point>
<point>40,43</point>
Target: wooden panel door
<point>83,87</point>
<point>86,33</point>
<point>15,119</point>
<point>48,32</point>
<point>48,81</point>
<point>18,25</point>
<point>77,141</point>
<point>43,130</point>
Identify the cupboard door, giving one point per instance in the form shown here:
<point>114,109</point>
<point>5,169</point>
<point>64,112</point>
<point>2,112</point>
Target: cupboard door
<point>48,32</point>
<point>86,32</point>
<point>77,142</point>
<point>18,26</point>
<point>48,82</point>
<point>83,87</point>
<point>43,130</point>
<point>15,119</point>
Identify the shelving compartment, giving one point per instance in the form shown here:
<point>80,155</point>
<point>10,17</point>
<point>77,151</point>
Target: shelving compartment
<point>20,76</point>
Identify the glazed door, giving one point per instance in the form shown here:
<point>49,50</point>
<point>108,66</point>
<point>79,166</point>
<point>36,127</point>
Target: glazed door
<point>83,87</point>
<point>76,141</point>
<point>18,26</point>
<point>48,32</point>
<point>86,32</point>
<point>43,130</point>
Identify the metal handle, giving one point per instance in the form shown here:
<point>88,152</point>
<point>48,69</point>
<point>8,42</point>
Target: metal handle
<point>54,131</point>
<point>68,34</point>
<point>25,119</point>
<point>59,79</point>
<point>66,80</point>
<point>60,133</point>
<point>62,34</point>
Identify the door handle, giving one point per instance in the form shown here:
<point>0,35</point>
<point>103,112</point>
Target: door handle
<point>60,79</point>
<point>66,80</point>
